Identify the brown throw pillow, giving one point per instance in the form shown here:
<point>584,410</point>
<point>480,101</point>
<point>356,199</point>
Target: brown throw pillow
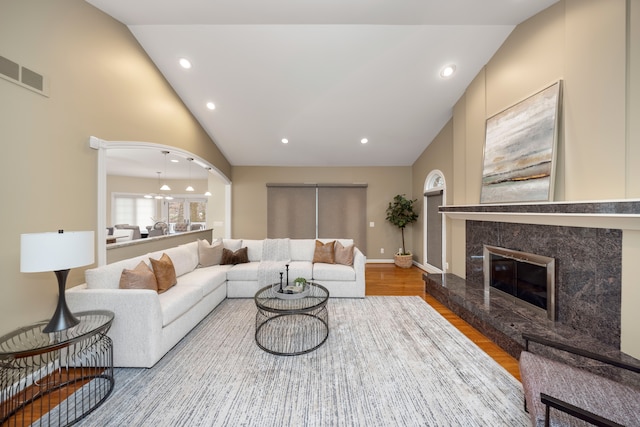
<point>344,255</point>
<point>209,254</point>
<point>165,272</point>
<point>140,277</point>
<point>231,258</point>
<point>324,252</point>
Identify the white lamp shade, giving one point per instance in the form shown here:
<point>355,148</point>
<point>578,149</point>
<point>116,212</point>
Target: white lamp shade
<point>56,251</point>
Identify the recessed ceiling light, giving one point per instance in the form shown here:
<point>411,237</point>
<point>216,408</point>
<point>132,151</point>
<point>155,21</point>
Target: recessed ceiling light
<point>285,141</point>
<point>185,63</point>
<point>174,160</point>
<point>211,106</point>
<point>448,71</point>
<point>364,140</point>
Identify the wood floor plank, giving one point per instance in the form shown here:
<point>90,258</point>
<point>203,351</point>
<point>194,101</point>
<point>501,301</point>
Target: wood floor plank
<point>388,280</point>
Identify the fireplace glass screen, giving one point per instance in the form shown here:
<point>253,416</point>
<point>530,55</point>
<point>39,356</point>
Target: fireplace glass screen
<point>528,278</point>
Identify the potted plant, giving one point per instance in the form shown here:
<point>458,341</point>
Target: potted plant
<point>300,281</point>
<point>400,213</point>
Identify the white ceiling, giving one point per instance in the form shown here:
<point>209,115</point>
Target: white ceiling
<point>323,74</point>
<point>147,162</point>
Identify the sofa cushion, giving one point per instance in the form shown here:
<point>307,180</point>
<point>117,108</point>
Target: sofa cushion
<point>141,277</point>
<point>302,249</point>
<point>206,278</point>
<point>177,301</point>
<point>232,244</point>
<point>191,252</point>
<point>325,252</point>
<point>165,272</point>
<point>300,269</point>
<point>243,272</point>
<point>344,255</point>
<point>183,257</point>
<point>254,249</point>
<point>238,257</point>
<point>209,254</point>
<point>322,271</point>
<point>108,276</point>
<point>345,242</point>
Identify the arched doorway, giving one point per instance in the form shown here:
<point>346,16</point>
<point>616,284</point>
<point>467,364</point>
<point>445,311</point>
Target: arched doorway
<point>434,223</point>
<point>223,197</point>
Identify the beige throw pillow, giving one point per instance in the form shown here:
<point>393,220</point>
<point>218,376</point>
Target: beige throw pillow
<point>324,252</point>
<point>209,254</point>
<point>344,255</point>
<point>140,277</point>
<point>165,272</point>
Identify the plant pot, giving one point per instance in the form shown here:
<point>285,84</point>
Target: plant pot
<point>403,261</point>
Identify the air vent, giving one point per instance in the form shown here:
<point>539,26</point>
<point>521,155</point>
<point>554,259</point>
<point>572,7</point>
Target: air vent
<point>9,68</point>
<point>23,76</point>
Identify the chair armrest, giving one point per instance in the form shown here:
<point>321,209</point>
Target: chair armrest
<point>590,417</point>
<point>578,351</point>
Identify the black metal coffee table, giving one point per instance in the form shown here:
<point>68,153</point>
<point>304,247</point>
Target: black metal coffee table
<point>289,327</point>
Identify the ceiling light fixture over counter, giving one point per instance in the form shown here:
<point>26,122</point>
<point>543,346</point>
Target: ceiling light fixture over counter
<point>189,187</point>
<point>364,141</point>
<point>185,63</point>
<point>211,105</point>
<point>285,141</point>
<point>165,187</point>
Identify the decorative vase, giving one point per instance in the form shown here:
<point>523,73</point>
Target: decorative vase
<point>403,261</point>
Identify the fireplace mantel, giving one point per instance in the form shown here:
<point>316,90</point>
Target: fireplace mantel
<point>623,215</point>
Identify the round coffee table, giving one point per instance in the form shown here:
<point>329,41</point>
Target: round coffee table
<point>289,327</point>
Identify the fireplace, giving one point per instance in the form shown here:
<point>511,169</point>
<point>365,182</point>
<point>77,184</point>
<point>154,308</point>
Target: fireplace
<point>525,278</point>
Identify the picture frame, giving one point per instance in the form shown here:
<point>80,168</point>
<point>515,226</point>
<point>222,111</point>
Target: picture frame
<point>520,146</point>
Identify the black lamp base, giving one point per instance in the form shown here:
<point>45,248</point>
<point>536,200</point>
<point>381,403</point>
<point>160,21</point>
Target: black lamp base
<point>63,318</point>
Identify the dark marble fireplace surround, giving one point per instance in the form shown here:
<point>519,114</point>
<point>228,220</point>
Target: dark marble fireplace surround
<point>588,275</point>
<point>588,269</point>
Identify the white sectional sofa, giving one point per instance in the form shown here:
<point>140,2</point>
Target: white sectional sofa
<point>148,324</point>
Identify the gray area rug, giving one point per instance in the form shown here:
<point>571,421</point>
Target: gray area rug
<point>388,361</point>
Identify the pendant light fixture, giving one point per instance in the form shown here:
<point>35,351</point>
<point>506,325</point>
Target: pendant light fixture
<point>165,187</point>
<point>189,187</point>
<point>208,193</point>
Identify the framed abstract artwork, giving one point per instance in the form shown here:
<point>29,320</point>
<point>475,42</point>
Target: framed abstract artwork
<point>520,150</point>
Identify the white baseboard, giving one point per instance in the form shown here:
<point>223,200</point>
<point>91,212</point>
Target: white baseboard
<point>379,261</point>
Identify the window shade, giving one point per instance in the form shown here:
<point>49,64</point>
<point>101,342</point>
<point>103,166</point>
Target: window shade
<point>434,228</point>
<point>291,211</point>
<point>342,213</point>
<point>312,211</point>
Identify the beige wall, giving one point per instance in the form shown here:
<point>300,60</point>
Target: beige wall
<point>437,156</point>
<point>583,43</point>
<point>633,101</point>
<point>249,199</point>
<point>102,84</point>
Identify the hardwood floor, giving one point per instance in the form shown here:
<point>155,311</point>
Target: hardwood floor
<point>389,280</point>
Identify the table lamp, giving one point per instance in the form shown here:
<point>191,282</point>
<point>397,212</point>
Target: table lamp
<point>58,252</point>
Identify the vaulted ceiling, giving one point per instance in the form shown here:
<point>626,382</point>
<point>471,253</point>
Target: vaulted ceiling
<point>322,74</point>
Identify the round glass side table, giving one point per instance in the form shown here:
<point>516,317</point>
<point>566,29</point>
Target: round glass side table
<point>56,378</point>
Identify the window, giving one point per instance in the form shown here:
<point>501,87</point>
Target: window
<point>133,209</point>
<point>434,229</point>
<point>186,211</point>
<point>308,211</point>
